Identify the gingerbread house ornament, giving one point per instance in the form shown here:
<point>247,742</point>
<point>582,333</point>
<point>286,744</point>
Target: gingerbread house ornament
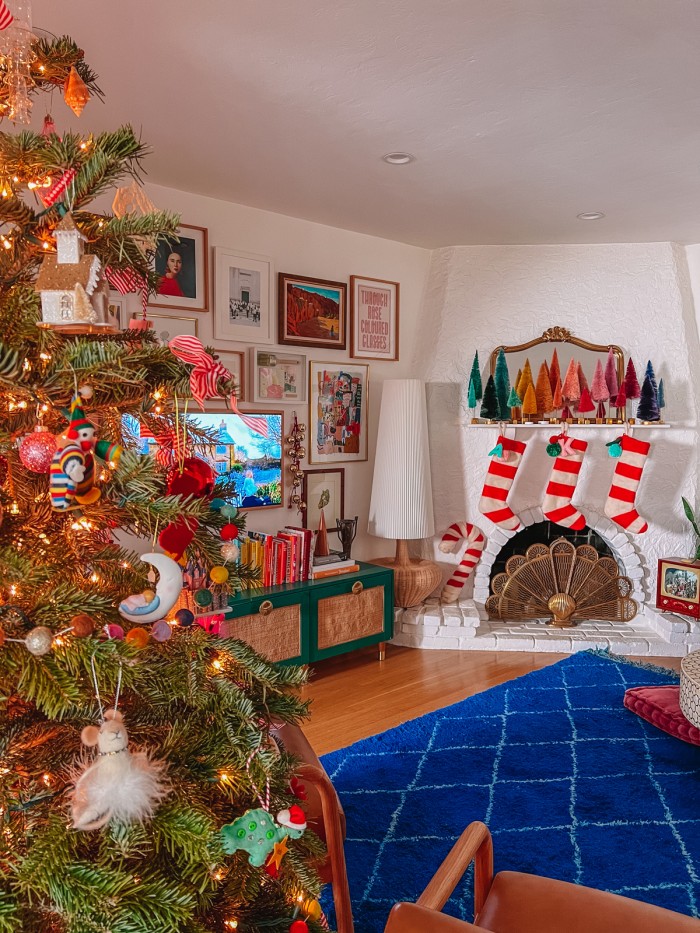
<point>74,291</point>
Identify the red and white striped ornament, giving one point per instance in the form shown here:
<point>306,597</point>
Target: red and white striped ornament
<point>58,188</point>
<point>128,280</point>
<point>470,558</point>
<point>629,467</point>
<point>206,371</point>
<point>6,18</point>
<point>499,479</point>
<point>557,506</point>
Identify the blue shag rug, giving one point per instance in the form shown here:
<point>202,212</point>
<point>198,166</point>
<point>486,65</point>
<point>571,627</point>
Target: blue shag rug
<point>571,784</point>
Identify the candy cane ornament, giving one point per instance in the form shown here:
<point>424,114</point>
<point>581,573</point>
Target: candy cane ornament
<point>470,558</point>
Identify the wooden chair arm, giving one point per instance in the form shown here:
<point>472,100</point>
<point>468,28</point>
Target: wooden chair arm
<point>475,844</point>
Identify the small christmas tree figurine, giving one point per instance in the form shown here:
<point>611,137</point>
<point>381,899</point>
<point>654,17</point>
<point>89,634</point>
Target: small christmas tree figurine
<point>648,408</point>
<point>554,371</point>
<point>490,409</point>
<point>611,376</point>
<point>557,400</point>
<point>585,404</point>
<point>599,390</point>
<point>475,380</point>
<point>631,383</point>
<point>582,381</point>
<point>543,391</point>
<point>661,396</point>
<point>652,377</point>
<point>502,381</point>
<point>471,396</point>
<point>525,380</point>
<point>571,390</point>
<point>530,401</point>
<point>621,401</point>
<point>514,403</point>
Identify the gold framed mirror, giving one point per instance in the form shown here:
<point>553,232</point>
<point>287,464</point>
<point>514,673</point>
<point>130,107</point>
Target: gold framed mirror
<point>541,349</point>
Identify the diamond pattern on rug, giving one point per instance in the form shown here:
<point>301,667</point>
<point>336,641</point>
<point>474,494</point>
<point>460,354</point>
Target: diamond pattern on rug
<point>570,783</point>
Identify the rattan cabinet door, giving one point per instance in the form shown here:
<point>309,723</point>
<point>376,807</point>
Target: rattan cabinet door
<point>351,617</point>
<point>275,632</point>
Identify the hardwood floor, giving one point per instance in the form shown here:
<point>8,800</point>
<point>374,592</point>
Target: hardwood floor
<point>355,695</point>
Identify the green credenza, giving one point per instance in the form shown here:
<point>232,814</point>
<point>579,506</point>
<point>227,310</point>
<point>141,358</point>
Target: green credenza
<point>298,623</point>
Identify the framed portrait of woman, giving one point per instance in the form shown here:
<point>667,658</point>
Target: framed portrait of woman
<point>183,266</point>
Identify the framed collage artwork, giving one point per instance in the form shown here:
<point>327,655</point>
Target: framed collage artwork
<point>183,267</point>
<point>323,486</point>
<point>242,297</point>
<point>278,375</point>
<point>311,312</point>
<point>338,401</point>
<point>374,319</point>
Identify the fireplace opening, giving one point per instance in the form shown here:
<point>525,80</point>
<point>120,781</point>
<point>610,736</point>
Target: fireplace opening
<point>547,533</point>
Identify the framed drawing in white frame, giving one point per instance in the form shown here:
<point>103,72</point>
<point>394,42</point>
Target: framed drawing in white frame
<point>338,400</point>
<point>278,375</point>
<point>234,361</point>
<point>183,267</point>
<point>116,307</point>
<point>243,293</point>
<point>374,319</point>
<point>167,326</point>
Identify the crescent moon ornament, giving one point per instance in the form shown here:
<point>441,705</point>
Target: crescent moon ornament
<point>167,590</point>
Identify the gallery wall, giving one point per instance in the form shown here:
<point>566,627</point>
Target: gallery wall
<point>307,249</point>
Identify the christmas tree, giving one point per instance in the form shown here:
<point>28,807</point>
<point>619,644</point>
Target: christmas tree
<point>554,371</point>
<point>490,408</point>
<point>611,375</point>
<point>648,408</point>
<point>543,391</point>
<point>475,389</point>
<point>599,390</point>
<point>502,381</point>
<point>130,839</point>
<point>524,380</point>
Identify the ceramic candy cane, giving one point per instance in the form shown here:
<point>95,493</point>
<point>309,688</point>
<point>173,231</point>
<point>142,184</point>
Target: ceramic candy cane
<point>470,558</point>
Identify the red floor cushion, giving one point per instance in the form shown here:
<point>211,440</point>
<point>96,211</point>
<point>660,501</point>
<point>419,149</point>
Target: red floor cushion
<point>660,707</point>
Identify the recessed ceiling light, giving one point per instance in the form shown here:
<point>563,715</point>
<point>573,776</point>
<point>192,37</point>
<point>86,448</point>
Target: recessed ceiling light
<point>591,215</point>
<point>399,158</point>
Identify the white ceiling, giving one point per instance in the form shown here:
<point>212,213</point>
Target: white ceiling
<point>521,113</point>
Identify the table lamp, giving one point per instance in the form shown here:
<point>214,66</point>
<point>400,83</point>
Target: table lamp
<point>401,505</point>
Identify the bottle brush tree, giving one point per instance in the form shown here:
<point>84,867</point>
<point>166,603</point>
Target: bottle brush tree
<point>502,382</point>
<point>141,787</point>
<point>490,408</point>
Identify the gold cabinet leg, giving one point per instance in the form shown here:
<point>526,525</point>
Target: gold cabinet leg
<point>382,650</point>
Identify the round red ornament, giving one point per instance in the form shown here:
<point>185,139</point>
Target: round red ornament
<point>36,450</point>
<point>194,477</point>
<point>229,532</point>
<point>299,926</point>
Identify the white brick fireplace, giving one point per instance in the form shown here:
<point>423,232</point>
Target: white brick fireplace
<point>636,296</point>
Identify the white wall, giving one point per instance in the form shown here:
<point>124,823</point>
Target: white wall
<point>303,248</point>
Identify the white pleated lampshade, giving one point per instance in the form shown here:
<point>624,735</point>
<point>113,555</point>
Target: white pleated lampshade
<point>402,499</point>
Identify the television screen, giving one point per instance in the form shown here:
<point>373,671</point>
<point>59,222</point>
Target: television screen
<point>247,451</point>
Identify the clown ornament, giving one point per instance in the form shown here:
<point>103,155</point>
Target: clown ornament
<point>72,482</point>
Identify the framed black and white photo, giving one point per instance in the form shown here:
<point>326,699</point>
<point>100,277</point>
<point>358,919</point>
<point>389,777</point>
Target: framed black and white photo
<point>183,266</point>
<point>243,297</point>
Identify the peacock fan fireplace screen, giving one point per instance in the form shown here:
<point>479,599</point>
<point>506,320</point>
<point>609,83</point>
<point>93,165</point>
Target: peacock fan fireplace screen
<point>562,585</point>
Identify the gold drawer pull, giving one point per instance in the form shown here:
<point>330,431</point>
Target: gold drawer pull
<point>265,608</point>
<point>357,587</point>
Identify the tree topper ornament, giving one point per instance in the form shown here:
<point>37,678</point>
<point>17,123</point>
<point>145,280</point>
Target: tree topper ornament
<point>72,481</point>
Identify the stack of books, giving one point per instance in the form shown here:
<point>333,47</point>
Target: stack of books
<point>331,566</point>
<point>285,557</point>
<point>288,557</point>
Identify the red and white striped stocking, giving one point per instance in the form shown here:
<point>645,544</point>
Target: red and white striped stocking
<point>628,472</point>
<point>557,505</point>
<point>470,558</point>
<point>499,480</point>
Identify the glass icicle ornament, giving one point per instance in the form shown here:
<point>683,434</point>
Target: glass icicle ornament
<point>16,57</point>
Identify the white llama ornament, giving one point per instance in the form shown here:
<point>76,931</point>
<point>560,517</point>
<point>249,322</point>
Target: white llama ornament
<point>117,785</point>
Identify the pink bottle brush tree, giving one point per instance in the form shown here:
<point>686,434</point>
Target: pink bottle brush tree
<point>599,390</point>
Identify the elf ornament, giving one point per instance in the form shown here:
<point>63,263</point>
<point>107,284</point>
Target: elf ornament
<point>499,480</point>
<point>117,786</point>
<point>72,482</point>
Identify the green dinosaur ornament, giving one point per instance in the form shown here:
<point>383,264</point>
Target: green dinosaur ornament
<point>257,832</point>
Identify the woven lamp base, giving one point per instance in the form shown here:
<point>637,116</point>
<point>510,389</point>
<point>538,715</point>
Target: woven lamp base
<point>414,580</point>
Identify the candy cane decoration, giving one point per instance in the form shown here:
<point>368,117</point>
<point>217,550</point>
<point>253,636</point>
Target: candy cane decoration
<point>470,557</point>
